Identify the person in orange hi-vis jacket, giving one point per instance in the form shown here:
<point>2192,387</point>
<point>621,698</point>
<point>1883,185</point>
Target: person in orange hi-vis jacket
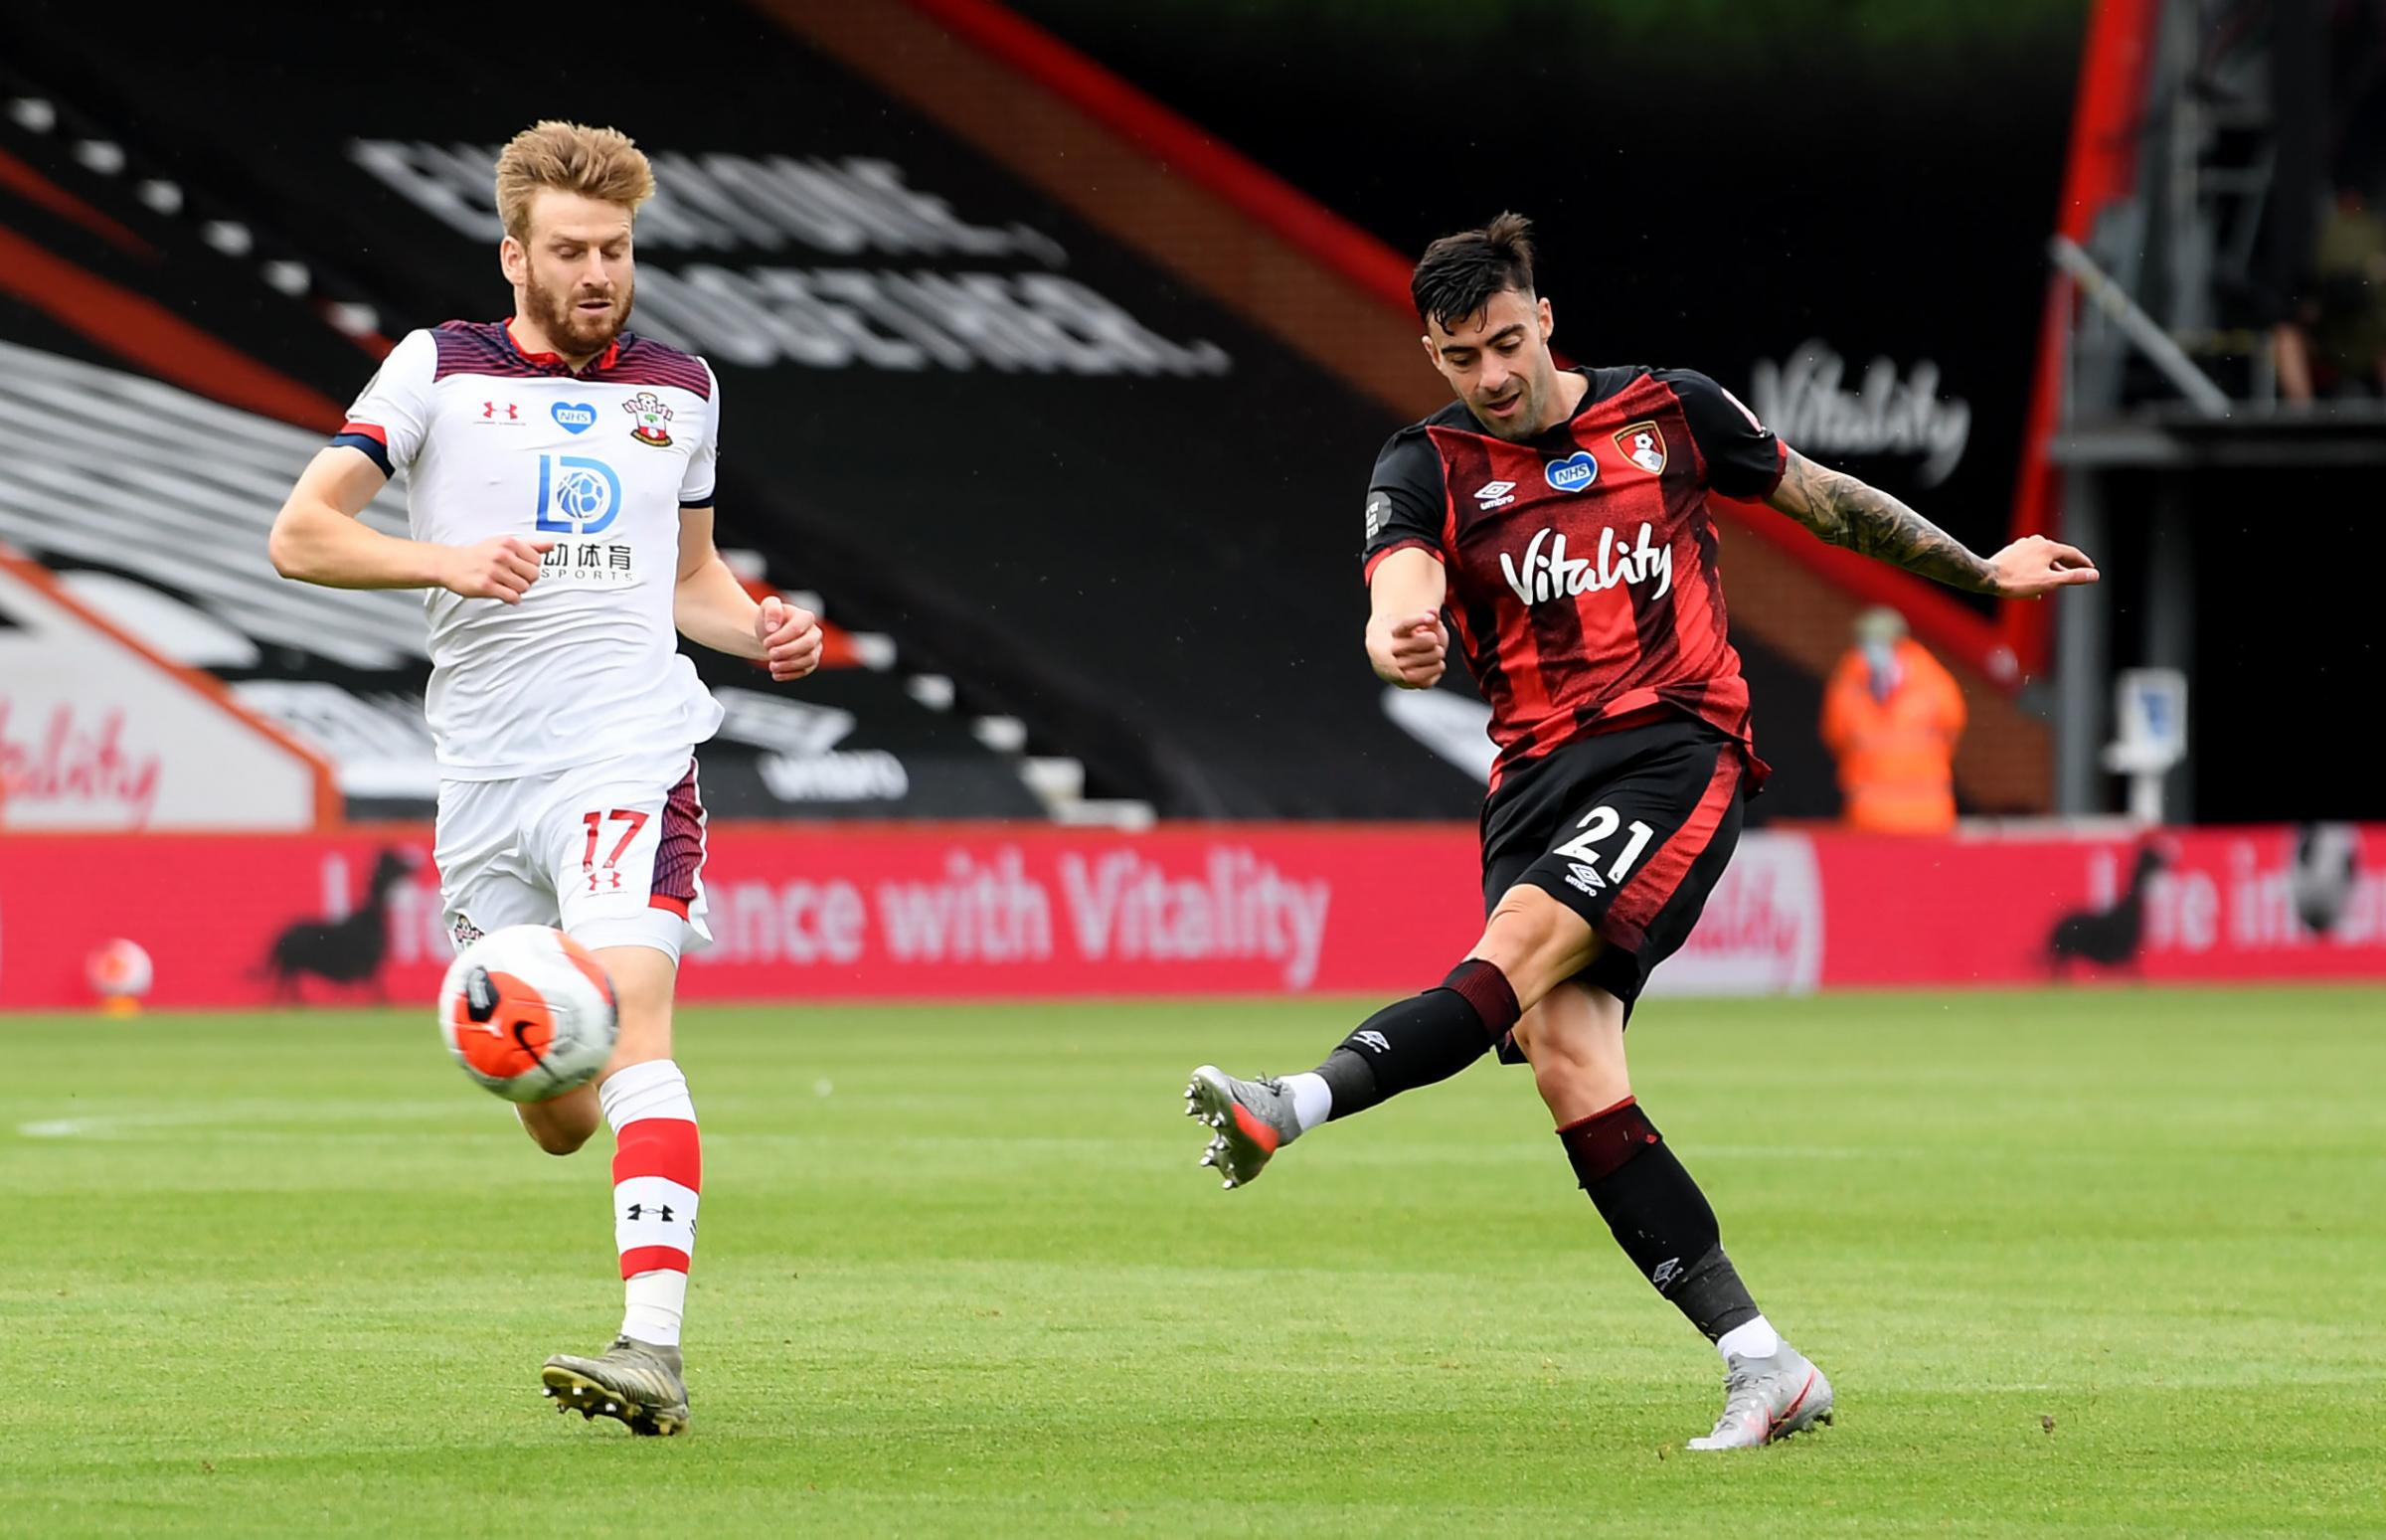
<point>1892,713</point>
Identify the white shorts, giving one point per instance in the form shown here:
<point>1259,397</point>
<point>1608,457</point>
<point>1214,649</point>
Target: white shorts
<point>612,852</point>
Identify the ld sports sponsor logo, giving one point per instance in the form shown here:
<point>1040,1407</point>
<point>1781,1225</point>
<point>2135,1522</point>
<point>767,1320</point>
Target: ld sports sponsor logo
<point>577,495</point>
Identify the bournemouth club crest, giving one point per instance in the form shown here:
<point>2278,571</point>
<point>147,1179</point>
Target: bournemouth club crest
<point>652,416</point>
<point>1644,443</point>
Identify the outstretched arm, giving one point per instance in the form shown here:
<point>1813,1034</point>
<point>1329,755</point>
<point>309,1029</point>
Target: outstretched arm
<point>1843,511</point>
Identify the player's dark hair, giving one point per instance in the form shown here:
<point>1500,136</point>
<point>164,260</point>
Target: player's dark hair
<point>1458,275</point>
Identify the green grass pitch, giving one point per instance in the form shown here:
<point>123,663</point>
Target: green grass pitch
<point>2094,1264</point>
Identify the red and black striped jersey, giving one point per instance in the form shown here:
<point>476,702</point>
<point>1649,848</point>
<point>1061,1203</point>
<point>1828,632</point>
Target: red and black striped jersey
<point>1584,593</point>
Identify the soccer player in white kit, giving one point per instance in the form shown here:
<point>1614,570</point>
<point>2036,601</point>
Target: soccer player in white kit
<point>560,503</point>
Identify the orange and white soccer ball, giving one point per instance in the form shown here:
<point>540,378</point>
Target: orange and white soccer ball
<point>528,1013</point>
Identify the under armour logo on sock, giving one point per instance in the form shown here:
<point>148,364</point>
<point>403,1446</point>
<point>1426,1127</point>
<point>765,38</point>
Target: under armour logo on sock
<point>661,1212</point>
<point>1372,1040</point>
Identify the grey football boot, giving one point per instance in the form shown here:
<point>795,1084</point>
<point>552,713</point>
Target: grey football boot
<point>637,1382</point>
<point>1254,1120</point>
<point>1764,1399</point>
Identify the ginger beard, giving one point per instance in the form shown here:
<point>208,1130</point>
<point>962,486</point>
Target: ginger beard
<point>571,328</point>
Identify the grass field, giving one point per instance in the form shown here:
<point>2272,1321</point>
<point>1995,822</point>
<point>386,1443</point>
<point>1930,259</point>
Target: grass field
<point>2104,1263</point>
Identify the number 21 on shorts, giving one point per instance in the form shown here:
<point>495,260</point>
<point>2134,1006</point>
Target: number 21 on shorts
<point>1596,825</point>
<point>595,823</point>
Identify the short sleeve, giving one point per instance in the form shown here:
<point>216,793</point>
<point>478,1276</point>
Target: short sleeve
<point>1741,456</point>
<point>696,487</point>
<point>1405,499</point>
<point>389,421</point>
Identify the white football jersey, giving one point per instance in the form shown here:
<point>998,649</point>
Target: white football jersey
<point>495,442</point>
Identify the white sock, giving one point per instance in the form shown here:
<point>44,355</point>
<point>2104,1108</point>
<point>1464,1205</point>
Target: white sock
<point>1756,1339</point>
<point>1313,1097</point>
<point>659,1166</point>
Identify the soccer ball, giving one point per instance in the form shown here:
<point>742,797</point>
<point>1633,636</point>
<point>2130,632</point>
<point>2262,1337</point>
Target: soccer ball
<point>528,1013</point>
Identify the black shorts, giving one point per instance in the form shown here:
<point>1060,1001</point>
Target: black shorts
<point>1629,829</point>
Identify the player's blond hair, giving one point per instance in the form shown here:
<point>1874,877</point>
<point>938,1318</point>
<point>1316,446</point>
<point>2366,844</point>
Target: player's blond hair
<point>600,163</point>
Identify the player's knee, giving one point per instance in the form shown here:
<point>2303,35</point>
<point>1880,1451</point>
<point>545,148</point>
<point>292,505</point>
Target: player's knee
<point>559,1141</point>
<point>557,1128</point>
<point>1537,941</point>
<point>1565,1076</point>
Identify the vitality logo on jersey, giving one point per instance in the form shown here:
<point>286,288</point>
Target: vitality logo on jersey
<point>652,416</point>
<point>577,495</point>
<point>573,418</point>
<point>1573,473</point>
<point>1547,573</point>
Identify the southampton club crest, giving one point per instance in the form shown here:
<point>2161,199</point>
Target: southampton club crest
<point>652,416</point>
<point>1643,444</point>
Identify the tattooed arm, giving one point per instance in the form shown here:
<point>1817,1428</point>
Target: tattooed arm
<point>1843,511</point>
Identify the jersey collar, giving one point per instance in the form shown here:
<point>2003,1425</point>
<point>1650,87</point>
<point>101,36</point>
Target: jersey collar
<point>555,361</point>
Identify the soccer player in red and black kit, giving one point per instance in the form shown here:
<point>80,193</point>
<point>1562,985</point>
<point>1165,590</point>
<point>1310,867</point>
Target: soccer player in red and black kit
<point>1555,521</point>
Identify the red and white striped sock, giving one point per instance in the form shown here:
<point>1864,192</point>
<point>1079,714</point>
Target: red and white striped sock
<point>659,1168</point>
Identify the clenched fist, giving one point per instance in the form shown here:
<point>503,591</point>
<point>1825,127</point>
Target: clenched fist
<point>790,638</point>
<point>1408,650</point>
<point>499,569</point>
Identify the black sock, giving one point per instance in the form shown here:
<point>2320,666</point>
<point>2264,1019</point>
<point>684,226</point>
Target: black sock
<point>1659,1215</point>
<point>1422,1039</point>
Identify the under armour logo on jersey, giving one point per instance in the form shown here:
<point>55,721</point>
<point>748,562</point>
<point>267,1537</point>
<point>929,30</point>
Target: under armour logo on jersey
<point>1495,494</point>
<point>488,412</point>
<point>1372,1040</point>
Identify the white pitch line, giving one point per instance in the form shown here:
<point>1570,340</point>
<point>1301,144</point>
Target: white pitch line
<point>241,1114</point>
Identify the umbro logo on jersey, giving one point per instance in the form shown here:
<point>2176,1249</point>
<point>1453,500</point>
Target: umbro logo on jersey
<point>1495,494</point>
<point>573,418</point>
<point>1573,473</point>
<point>1584,879</point>
<point>1374,1040</point>
<point>500,412</point>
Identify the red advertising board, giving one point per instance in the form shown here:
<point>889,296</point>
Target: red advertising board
<point>891,911</point>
